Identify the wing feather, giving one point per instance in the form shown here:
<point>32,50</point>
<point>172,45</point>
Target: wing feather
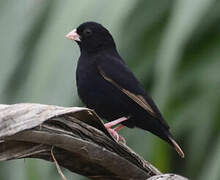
<point>139,99</point>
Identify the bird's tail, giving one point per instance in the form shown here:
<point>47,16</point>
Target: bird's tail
<point>176,146</point>
<point>162,131</point>
<point>167,136</point>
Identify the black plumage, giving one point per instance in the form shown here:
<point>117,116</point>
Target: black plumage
<point>106,84</point>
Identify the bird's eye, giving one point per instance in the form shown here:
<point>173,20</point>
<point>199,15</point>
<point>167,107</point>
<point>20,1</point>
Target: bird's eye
<point>87,32</point>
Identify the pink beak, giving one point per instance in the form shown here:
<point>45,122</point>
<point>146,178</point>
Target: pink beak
<point>73,35</point>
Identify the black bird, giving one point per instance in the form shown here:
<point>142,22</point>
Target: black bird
<point>106,84</point>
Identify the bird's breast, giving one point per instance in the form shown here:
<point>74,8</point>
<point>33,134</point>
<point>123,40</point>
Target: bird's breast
<point>92,88</point>
<point>88,80</point>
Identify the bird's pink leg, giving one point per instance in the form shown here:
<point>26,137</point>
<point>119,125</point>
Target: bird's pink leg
<point>115,122</point>
<point>114,132</point>
<point>119,127</point>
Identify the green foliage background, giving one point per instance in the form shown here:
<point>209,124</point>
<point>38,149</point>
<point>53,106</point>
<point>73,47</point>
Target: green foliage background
<point>173,47</point>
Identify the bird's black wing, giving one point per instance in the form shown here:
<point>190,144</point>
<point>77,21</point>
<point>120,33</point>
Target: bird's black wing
<point>117,73</point>
<point>113,70</point>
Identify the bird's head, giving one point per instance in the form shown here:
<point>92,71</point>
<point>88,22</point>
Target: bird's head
<point>91,37</point>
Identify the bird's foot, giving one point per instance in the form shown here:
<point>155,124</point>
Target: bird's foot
<point>116,136</point>
<point>114,132</point>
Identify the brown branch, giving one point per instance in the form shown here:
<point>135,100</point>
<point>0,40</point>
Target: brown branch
<point>79,139</point>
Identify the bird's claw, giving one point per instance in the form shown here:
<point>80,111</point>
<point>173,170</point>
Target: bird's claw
<point>116,136</point>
